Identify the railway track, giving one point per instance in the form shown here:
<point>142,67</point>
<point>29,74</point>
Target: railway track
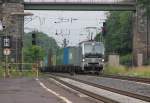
<point>90,94</point>
<point>129,78</point>
<point>136,79</point>
<point>107,100</point>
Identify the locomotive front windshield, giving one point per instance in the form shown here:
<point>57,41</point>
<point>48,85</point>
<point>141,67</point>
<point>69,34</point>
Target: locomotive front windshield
<point>93,48</point>
<point>88,48</point>
<point>99,48</point>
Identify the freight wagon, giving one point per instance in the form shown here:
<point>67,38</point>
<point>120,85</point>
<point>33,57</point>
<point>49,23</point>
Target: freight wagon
<point>85,58</point>
<point>69,61</point>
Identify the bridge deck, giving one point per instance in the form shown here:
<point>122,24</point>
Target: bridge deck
<point>79,6</point>
<point>84,1</point>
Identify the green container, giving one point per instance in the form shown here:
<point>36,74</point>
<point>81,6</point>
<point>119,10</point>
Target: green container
<point>73,56</point>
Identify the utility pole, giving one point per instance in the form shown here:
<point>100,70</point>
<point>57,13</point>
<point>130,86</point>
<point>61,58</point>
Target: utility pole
<point>65,42</point>
<point>6,44</point>
<point>148,55</point>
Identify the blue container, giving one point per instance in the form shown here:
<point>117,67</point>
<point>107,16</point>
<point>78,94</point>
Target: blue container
<point>66,56</point>
<point>46,61</point>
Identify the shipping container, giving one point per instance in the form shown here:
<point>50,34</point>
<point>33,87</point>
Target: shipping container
<point>73,55</point>
<point>59,57</point>
<point>53,60</point>
<point>66,56</point>
<point>45,62</point>
<point>50,58</point>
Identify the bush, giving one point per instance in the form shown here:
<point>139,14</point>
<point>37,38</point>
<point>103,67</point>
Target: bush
<point>1,73</point>
<point>114,69</point>
<point>126,60</point>
<point>16,73</point>
<point>147,62</point>
<point>121,70</point>
<point>139,71</point>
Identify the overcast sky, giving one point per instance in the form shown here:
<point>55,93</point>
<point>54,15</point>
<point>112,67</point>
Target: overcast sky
<point>65,24</point>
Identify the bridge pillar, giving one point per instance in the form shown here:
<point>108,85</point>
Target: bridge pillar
<point>0,10</point>
<point>141,36</point>
<point>14,26</point>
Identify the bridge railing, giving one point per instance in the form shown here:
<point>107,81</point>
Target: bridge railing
<point>84,1</point>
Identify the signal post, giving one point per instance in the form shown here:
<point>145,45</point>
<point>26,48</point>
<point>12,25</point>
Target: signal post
<point>6,45</point>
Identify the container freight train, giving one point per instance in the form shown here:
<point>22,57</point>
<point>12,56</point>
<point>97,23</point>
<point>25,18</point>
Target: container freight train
<point>88,57</point>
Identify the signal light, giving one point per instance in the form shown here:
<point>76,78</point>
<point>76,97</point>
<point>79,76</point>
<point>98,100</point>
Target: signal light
<point>6,42</point>
<point>104,31</point>
<point>33,39</point>
<point>104,23</point>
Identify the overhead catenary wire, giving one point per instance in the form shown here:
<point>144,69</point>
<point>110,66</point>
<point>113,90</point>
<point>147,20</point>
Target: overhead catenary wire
<point>56,25</point>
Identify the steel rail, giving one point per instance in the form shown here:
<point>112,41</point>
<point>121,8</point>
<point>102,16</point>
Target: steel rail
<point>90,94</point>
<point>126,93</point>
<point>129,78</point>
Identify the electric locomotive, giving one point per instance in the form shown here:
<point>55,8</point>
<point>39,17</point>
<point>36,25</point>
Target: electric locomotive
<point>87,57</point>
<point>92,56</point>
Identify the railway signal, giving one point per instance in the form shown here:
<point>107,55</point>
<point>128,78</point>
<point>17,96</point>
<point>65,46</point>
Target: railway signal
<point>6,45</point>
<point>6,42</point>
<point>33,39</point>
<point>104,29</point>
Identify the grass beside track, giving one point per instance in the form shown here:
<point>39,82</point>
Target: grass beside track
<point>140,72</point>
<point>15,73</point>
<point>119,70</point>
<point>135,71</point>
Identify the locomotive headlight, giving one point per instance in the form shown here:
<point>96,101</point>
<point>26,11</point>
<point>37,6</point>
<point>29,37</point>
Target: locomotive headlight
<point>83,60</point>
<point>103,60</point>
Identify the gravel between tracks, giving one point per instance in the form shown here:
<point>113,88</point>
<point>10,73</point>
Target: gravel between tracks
<point>131,86</point>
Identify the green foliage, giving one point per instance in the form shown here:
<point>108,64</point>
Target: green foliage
<point>145,4</point>
<point>33,53</point>
<point>139,72</point>
<point>45,45</point>
<point>121,70</point>
<point>147,62</point>
<point>14,73</point>
<point>99,37</point>
<point>42,40</point>
<point>119,28</point>
<point>126,60</point>
<point>118,38</point>
<point>114,69</point>
<point>1,72</point>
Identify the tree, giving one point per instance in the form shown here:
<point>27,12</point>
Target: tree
<point>118,37</point>
<point>145,4</point>
<point>33,53</point>
<point>42,40</point>
<point>45,45</point>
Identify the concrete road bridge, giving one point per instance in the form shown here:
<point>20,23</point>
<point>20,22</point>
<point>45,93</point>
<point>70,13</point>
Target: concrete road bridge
<point>141,24</point>
<point>78,5</point>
